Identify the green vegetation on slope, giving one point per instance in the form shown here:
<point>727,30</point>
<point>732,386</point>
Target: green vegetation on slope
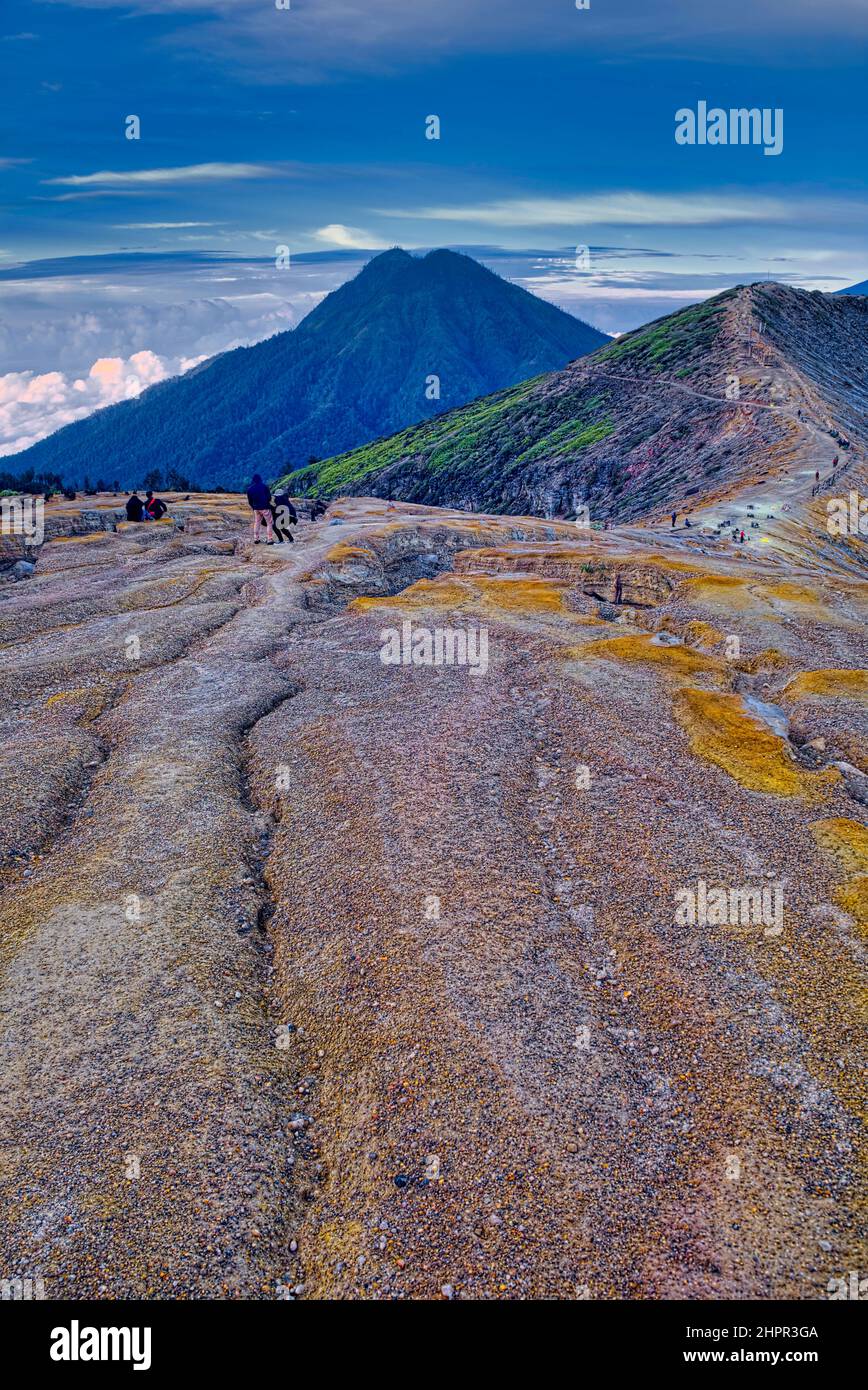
<point>448,440</point>
<point>533,423</point>
<point>685,334</point>
<point>503,432</point>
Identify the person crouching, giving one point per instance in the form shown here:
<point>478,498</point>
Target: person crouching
<point>283,515</point>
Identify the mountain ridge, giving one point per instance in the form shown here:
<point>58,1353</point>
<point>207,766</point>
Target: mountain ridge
<point>642,424</point>
<point>358,366</point>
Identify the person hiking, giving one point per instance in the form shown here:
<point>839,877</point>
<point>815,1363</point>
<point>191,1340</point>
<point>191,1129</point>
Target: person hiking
<point>741,537</point>
<point>283,515</point>
<point>674,518</point>
<point>155,507</point>
<point>135,507</point>
<point>259,501</point>
<point>817,476</point>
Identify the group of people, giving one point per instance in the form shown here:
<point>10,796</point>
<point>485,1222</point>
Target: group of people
<point>737,535</point>
<point>150,510</point>
<point>275,512</point>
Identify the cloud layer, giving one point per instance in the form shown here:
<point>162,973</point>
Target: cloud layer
<point>33,405</point>
<point>76,335</point>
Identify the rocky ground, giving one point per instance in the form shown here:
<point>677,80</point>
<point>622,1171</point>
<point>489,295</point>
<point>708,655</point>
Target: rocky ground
<point>326,977</point>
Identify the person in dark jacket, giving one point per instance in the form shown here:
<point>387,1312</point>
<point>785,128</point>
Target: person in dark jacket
<point>135,507</point>
<point>155,507</point>
<point>283,515</point>
<point>259,501</point>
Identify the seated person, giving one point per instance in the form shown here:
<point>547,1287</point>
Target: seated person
<point>135,507</point>
<point>155,507</point>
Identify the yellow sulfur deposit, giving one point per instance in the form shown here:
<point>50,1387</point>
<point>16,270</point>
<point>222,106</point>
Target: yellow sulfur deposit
<point>513,595</point>
<point>676,659</point>
<point>847,684</point>
<point>720,730</point>
<point>847,842</point>
<point>702,634</point>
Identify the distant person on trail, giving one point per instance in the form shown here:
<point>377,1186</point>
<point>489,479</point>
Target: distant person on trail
<point>674,518</point>
<point>259,501</point>
<point>283,515</point>
<point>135,507</point>
<point>741,537</point>
<point>817,476</point>
<point>155,507</point>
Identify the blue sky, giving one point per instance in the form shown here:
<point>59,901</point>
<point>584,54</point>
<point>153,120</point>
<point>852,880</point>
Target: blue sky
<point>306,128</point>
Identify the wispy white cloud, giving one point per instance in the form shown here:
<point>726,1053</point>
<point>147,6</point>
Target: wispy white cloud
<point>159,226</point>
<point>350,238</point>
<point>561,290</point>
<point>187,173</point>
<point>634,209</point>
<point>93,193</point>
